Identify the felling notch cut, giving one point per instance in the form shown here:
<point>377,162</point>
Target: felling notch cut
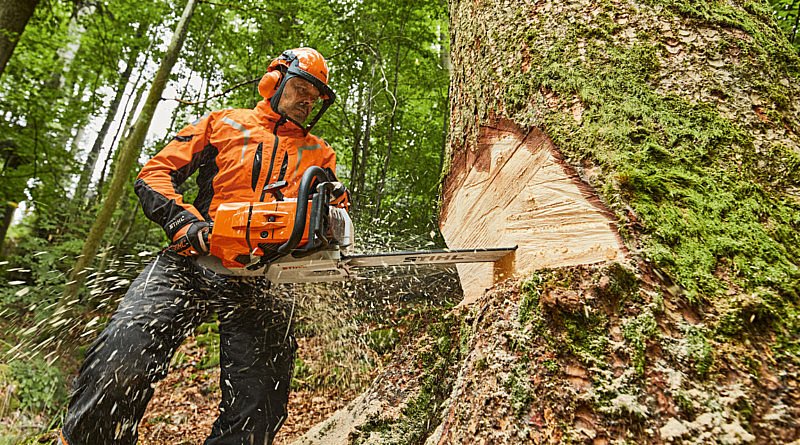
<point>515,189</point>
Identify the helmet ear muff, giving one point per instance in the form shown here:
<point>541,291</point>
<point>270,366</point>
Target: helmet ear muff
<point>269,83</point>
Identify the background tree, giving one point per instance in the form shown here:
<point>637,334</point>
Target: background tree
<point>387,125</point>
<point>787,14</point>
<point>128,154</point>
<point>14,16</point>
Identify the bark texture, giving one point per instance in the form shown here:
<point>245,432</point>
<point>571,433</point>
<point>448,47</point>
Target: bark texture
<point>682,117</point>
<point>14,16</point>
<point>678,120</point>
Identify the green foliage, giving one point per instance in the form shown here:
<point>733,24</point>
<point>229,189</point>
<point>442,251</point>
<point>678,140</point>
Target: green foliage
<point>207,336</point>
<point>34,386</point>
<point>787,14</point>
<point>391,53</point>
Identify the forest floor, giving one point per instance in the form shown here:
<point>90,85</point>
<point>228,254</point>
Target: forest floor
<point>185,403</point>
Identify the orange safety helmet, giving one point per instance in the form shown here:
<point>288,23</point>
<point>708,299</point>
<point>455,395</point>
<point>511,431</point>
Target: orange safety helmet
<point>306,63</point>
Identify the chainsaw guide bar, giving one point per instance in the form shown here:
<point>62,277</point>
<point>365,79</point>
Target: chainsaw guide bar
<point>331,265</point>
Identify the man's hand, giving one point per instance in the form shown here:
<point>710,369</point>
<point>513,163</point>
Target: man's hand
<point>197,234</point>
<point>340,196</point>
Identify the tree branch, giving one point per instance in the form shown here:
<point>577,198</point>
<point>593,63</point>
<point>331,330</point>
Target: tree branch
<point>238,85</point>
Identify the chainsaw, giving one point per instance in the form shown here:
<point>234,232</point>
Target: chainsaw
<point>306,239</point>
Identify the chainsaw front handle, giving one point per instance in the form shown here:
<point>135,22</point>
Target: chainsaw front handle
<point>305,190</point>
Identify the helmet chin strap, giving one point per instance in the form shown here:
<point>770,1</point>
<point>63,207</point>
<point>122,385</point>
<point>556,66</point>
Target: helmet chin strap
<point>275,100</point>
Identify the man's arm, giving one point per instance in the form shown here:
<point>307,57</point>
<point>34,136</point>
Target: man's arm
<point>341,195</point>
<point>159,179</point>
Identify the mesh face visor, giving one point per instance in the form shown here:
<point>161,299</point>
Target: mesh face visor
<point>326,94</point>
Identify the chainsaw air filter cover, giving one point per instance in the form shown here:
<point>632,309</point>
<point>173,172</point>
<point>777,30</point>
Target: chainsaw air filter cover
<point>239,229</point>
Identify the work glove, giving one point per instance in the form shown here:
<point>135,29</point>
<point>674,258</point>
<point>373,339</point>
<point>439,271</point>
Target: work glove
<point>340,196</point>
<point>193,239</point>
<point>198,235</point>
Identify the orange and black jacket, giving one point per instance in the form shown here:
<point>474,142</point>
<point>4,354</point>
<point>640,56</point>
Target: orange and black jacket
<point>238,152</point>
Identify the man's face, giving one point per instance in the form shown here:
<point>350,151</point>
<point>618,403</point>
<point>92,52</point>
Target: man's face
<point>298,98</point>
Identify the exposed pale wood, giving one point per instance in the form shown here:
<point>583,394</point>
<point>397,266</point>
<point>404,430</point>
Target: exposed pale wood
<point>516,191</point>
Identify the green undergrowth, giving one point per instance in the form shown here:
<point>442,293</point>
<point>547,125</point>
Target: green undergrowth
<point>33,397</point>
<point>207,336</point>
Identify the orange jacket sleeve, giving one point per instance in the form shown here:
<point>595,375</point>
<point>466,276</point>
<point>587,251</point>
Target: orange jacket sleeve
<point>158,182</point>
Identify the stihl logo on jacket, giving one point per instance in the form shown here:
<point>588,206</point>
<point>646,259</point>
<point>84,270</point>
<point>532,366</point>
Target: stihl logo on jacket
<point>238,153</point>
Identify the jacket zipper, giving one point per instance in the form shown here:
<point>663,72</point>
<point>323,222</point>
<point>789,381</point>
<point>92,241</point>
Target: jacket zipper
<point>256,166</point>
<point>272,159</point>
<point>256,174</point>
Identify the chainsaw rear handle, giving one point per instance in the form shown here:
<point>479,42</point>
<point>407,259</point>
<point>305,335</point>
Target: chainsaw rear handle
<point>311,173</point>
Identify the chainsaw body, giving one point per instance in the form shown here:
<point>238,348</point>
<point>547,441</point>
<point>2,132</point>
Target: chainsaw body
<point>303,240</point>
<point>241,228</point>
<point>247,237</point>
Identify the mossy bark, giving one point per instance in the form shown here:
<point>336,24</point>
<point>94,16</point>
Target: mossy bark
<point>684,117</point>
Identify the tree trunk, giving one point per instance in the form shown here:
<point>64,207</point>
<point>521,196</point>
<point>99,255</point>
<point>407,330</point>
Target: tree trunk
<point>361,181</point>
<point>358,121</point>
<point>74,146</point>
<point>113,109</point>
<point>5,224</point>
<point>14,16</point>
<point>128,154</point>
<point>645,158</point>
<point>65,55</point>
<point>124,130</point>
<point>655,123</point>
<point>390,133</point>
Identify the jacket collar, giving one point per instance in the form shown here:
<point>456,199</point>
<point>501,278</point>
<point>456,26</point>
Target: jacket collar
<point>268,118</point>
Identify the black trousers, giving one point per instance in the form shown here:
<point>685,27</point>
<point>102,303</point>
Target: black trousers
<point>168,300</point>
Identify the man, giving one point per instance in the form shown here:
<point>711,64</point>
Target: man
<point>238,154</point>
